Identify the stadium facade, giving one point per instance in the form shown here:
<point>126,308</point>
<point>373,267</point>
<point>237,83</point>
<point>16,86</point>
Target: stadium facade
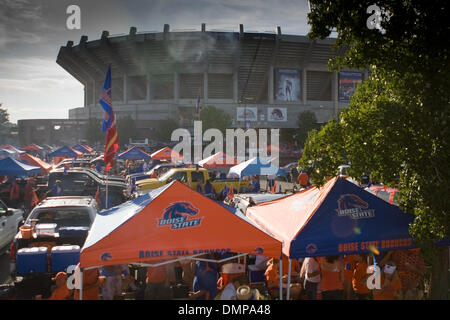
<point>264,80</point>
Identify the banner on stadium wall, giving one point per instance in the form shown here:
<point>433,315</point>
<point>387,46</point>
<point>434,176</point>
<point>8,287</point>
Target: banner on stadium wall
<point>277,114</point>
<point>348,80</point>
<point>247,114</point>
<point>287,84</point>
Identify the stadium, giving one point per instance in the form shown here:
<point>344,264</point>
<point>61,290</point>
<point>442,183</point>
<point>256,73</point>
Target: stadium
<point>264,80</point>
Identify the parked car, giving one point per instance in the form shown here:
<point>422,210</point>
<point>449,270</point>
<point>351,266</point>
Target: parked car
<point>76,182</point>
<point>386,193</point>
<point>56,230</point>
<point>73,163</point>
<point>10,221</point>
<point>242,201</point>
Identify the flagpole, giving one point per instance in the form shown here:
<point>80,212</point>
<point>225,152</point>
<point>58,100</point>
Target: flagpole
<point>106,201</point>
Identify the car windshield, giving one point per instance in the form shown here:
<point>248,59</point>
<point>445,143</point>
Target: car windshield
<point>62,217</point>
<point>166,175</point>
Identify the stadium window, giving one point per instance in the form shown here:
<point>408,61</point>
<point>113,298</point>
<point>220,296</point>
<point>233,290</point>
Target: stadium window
<point>162,86</point>
<point>137,88</point>
<point>190,83</point>
<point>117,89</point>
<point>319,85</point>
<point>220,86</point>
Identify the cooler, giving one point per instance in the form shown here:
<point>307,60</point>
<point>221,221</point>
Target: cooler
<point>64,256</point>
<point>31,260</point>
<point>230,270</point>
<point>79,232</point>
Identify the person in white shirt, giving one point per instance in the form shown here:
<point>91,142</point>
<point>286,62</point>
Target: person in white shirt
<point>312,274</point>
<point>229,292</point>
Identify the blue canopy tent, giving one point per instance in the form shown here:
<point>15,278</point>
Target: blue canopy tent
<point>255,166</point>
<point>65,152</point>
<point>13,168</point>
<point>4,153</point>
<point>339,218</point>
<point>134,153</point>
<point>81,148</point>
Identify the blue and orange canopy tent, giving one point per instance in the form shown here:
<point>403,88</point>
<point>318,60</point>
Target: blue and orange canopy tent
<point>339,218</point>
<point>166,154</point>
<point>218,160</point>
<point>134,153</point>
<point>169,223</point>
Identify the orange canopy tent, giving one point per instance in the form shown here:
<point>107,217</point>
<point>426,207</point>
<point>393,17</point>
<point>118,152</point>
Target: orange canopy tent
<point>166,154</point>
<point>169,223</point>
<point>218,160</point>
<point>32,147</point>
<point>35,161</point>
<point>273,148</point>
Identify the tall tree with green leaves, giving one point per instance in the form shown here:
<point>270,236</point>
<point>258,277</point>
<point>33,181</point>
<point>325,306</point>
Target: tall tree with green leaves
<point>93,132</point>
<point>213,117</point>
<point>164,130</point>
<point>397,124</point>
<point>306,121</point>
<point>126,129</point>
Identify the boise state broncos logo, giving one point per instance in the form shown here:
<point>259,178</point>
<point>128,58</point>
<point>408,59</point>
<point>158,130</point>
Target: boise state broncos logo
<point>177,215</point>
<point>277,114</point>
<point>351,205</point>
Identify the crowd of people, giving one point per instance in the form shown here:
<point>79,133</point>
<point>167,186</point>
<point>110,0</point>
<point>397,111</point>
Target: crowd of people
<point>402,277</point>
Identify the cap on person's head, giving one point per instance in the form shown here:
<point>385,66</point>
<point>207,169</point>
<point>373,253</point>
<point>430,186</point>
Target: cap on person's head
<point>58,181</point>
<point>246,293</point>
<point>60,276</point>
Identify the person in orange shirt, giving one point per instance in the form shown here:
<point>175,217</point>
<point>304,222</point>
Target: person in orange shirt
<point>272,275</point>
<point>14,194</point>
<point>391,285</point>
<point>360,275</point>
<point>349,267</point>
<point>332,284</point>
<point>158,280</point>
<point>303,179</point>
<point>91,285</point>
<point>61,291</point>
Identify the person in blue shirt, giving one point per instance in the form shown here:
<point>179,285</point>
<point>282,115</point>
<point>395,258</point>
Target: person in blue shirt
<point>205,281</point>
<point>255,185</point>
<point>209,189</point>
<point>56,190</point>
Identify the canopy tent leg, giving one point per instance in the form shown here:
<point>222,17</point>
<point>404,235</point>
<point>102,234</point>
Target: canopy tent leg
<point>81,284</point>
<point>281,280</point>
<point>289,281</point>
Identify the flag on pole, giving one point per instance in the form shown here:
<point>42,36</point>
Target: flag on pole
<point>109,123</point>
<point>198,107</point>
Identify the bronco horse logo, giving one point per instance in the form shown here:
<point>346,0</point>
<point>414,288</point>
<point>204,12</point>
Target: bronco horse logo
<point>177,215</point>
<point>351,205</point>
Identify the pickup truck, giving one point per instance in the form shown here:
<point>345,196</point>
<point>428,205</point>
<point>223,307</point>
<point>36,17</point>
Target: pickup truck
<point>10,221</point>
<point>71,218</point>
<point>192,177</point>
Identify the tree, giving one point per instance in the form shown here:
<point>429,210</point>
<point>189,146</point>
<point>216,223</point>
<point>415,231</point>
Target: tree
<point>93,131</point>
<point>126,129</point>
<point>4,119</point>
<point>397,124</point>
<point>306,121</point>
<point>212,117</point>
<point>164,129</point>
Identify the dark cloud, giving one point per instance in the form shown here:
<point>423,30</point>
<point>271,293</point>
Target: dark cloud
<point>32,31</point>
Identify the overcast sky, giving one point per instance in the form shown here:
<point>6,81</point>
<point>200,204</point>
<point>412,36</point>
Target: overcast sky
<point>33,86</point>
